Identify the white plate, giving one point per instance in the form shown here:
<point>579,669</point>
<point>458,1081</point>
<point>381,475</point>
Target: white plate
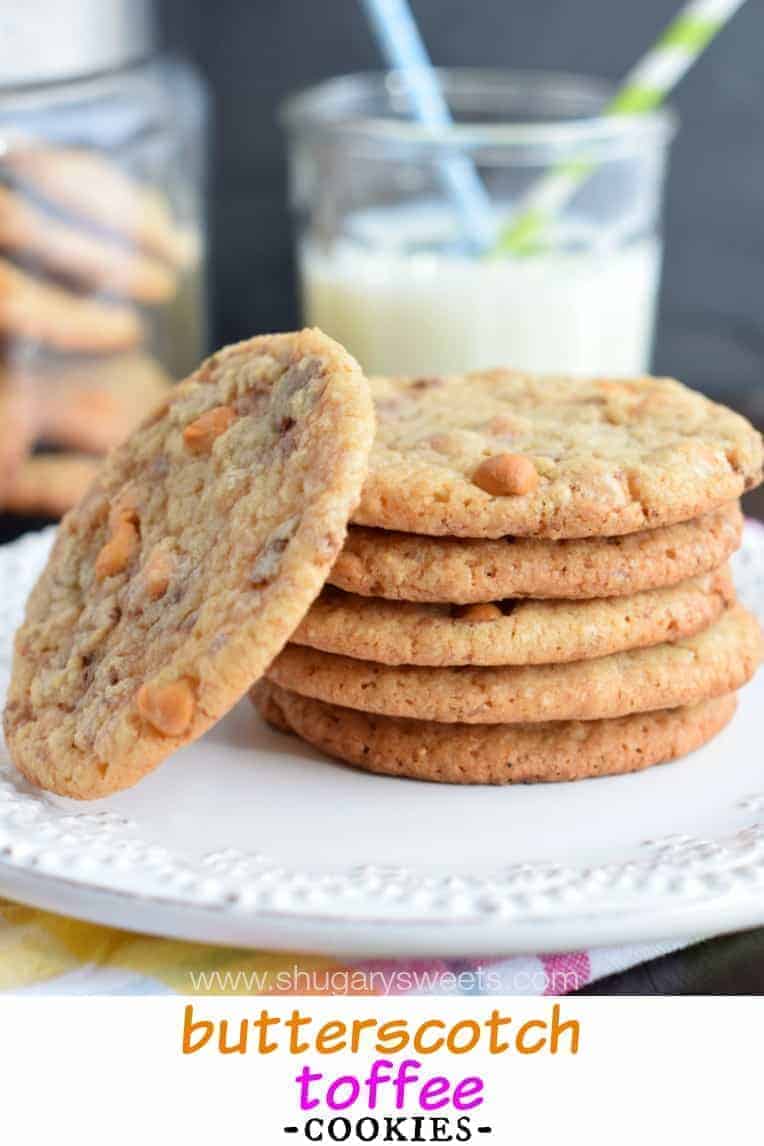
<point>250,838</point>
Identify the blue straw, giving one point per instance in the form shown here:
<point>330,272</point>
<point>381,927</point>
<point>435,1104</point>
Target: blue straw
<point>402,46</point>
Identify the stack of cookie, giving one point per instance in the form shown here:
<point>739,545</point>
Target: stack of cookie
<point>604,637</point>
<point>536,587</point>
<point>88,260</point>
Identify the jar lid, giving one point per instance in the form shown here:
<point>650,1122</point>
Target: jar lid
<point>48,40</point>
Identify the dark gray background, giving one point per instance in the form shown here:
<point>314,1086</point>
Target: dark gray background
<point>253,52</point>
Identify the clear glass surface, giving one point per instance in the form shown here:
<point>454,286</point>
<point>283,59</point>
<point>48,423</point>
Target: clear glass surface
<point>387,267</point>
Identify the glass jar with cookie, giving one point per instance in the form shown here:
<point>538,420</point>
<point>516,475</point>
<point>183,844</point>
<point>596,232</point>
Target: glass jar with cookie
<point>102,271</point>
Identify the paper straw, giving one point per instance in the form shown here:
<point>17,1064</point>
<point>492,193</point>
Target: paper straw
<point>403,48</point>
<point>644,88</point>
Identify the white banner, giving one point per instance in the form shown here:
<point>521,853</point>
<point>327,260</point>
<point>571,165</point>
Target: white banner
<point>272,1071</point>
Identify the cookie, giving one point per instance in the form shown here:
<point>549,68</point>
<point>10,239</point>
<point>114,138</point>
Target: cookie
<point>462,571</point>
<point>93,405</point>
<point>511,632</point>
<point>716,661</point>
<point>202,543</point>
<point>47,485</point>
<point>93,262</point>
<point>92,188</point>
<point>40,312</point>
<point>494,753</point>
<point>502,452</point>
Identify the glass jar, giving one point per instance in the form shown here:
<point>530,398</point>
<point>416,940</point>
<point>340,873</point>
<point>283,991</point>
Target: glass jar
<point>102,268</point>
<point>392,265</point>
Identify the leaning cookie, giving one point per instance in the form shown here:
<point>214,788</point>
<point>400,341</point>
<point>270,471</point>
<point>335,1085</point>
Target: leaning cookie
<point>93,262</point>
<point>494,753</point>
<point>463,571</point>
<point>502,452</point>
<point>716,661</point>
<point>41,312</point>
<point>511,632</point>
<point>195,554</point>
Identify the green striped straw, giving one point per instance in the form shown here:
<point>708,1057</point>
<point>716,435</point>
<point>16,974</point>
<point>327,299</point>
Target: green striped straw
<point>645,87</point>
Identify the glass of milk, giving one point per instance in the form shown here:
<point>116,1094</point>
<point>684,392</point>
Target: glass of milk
<point>386,265</point>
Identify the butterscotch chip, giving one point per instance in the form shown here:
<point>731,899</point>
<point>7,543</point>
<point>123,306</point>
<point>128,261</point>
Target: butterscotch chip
<point>522,632</point>
<point>411,567</point>
<point>169,708</point>
<point>483,612</point>
<point>506,474</point>
<point>493,753</point>
<point>200,435</point>
<point>116,552</point>
<point>666,455</point>
<point>716,661</point>
<point>95,700</point>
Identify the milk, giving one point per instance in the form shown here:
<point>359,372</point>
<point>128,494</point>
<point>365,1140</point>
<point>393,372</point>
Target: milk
<point>400,294</point>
